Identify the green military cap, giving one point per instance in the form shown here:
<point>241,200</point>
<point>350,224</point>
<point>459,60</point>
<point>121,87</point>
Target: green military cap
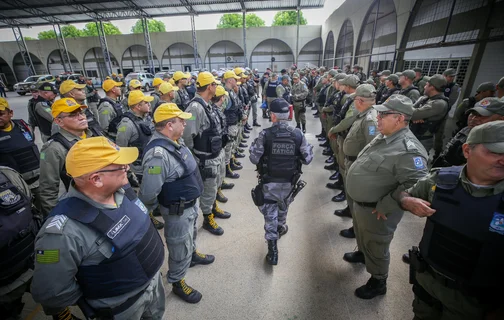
<point>450,72</point>
<point>409,74</point>
<point>385,73</point>
<point>356,66</point>
<point>285,77</point>
<point>246,73</point>
<point>295,76</point>
<point>340,76</point>
<point>370,81</point>
<point>488,107</point>
<point>438,81</point>
<point>365,91</point>
<point>333,72</point>
<point>500,84</point>
<point>394,78</point>
<point>398,74</point>
<point>325,74</point>
<point>490,134</point>
<point>321,69</point>
<point>274,75</point>
<point>350,80</point>
<point>486,86</point>
<point>417,70</point>
<point>339,71</point>
<point>397,102</point>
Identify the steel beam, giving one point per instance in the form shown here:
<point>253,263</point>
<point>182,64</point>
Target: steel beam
<point>195,42</point>
<point>104,46</point>
<point>34,11</point>
<point>65,57</point>
<point>245,60</point>
<point>150,55</point>
<point>23,50</point>
<point>373,36</point>
<point>296,57</point>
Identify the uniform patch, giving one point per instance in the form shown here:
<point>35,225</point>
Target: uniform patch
<point>141,206</point>
<point>372,130</point>
<point>105,111</point>
<point>9,198</point>
<point>410,145</point>
<point>485,103</point>
<point>288,149</point>
<point>57,222</point>
<point>497,224</point>
<point>47,256</point>
<point>192,118</point>
<point>121,129</point>
<point>418,163</point>
<point>28,136</point>
<point>48,110</point>
<point>118,227</point>
<point>154,170</point>
<point>42,156</point>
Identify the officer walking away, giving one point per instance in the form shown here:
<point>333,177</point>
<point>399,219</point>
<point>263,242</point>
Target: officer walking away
<point>109,107</point>
<point>69,116</point>
<point>18,150</point>
<point>42,109</point>
<point>106,256</point>
<point>279,153</point>
<point>299,93</point>
<point>406,84</point>
<point>172,180</point>
<point>20,223</point>
<point>389,164</point>
<point>270,92</point>
<point>92,98</point>
<point>463,205</point>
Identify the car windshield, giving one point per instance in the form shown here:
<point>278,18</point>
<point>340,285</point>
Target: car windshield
<point>133,76</point>
<point>32,79</point>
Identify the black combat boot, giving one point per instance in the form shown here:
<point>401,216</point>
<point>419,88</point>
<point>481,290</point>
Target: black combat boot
<point>240,150</point>
<point>242,145</point>
<point>298,125</point>
<point>327,152</point>
<point>220,196</point>
<point>255,124</point>
<point>282,230</point>
<point>265,115</point>
<point>234,166</point>
<point>212,226</point>
<point>230,174</point>
<point>335,176</point>
<point>339,197</point>
<point>343,212</point>
<point>272,256</point>
<point>200,258</point>
<point>374,287</point>
<point>332,166</point>
<point>354,257</point>
<point>348,233</point>
<point>303,126</point>
<point>322,134</point>
<point>219,213</point>
<point>227,186</point>
<point>187,293</point>
<point>239,155</point>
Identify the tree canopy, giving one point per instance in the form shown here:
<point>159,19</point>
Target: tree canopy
<point>71,32</point>
<point>91,30</point>
<point>154,26</point>
<point>29,38</point>
<point>288,18</point>
<point>50,34</point>
<point>235,20</point>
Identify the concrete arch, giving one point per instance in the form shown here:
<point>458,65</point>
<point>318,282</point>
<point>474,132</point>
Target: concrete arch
<point>94,63</point>
<point>345,45</point>
<point>263,53</point>
<point>328,59</point>
<point>6,73</point>
<point>224,54</point>
<point>135,58</point>
<point>311,53</point>
<point>55,64</point>
<point>21,71</point>
<point>179,56</point>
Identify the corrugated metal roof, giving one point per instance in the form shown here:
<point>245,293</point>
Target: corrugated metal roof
<point>42,12</point>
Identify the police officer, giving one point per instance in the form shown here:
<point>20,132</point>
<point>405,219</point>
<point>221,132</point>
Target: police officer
<point>283,90</point>
<point>57,81</point>
<point>357,70</point>
<point>419,80</point>
<point>69,116</point>
<point>452,92</point>
<point>233,116</point>
<point>392,162</point>
<point>133,85</point>
<point>18,150</point>
<point>203,136</point>
<point>484,90</point>
<point>430,112</point>
<point>391,83</point>
<point>106,255</point>
<point>252,92</point>
<point>166,95</point>
<point>299,93</point>
<point>406,83</point>
<point>182,98</point>
<point>92,99</point>
<point>382,87</point>
<point>486,110</point>
<point>156,94</point>
<point>20,223</point>
<point>331,112</point>
<point>31,105</point>
<point>172,181</point>
<point>122,80</point>
<point>109,108</point>
<point>279,169</point>
<point>464,206</point>
<point>42,109</point>
<point>82,79</point>
<point>269,92</point>
<point>320,93</point>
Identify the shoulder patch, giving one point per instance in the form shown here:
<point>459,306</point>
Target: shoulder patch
<point>371,130</point>
<point>105,111</point>
<point>57,224</point>
<point>418,162</point>
<point>44,104</point>
<point>121,129</point>
<point>154,170</point>
<point>410,145</point>
<point>47,256</point>
<point>42,156</point>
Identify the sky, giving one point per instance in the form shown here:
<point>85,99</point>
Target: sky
<point>182,23</point>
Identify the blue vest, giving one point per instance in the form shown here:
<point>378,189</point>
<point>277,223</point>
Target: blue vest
<point>18,150</point>
<point>138,250</point>
<point>231,112</point>
<point>190,185</point>
<point>463,240</point>
<point>271,89</point>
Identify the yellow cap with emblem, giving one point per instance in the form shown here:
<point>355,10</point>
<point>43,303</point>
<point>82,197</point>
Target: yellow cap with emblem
<point>220,91</point>
<point>4,104</point>
<point>179,75</point>
<point>167,87</point>
<point>205,78</point>
<point>135,84</point>
<point>110,84</point>
<point>66,105</point>
<point>69,85</point>
<point>167,111</point>
<point>157,81</point>
<point>137,96</point>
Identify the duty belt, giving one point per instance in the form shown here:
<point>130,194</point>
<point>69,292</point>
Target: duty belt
<point>350,158</point>
<point>367,204</point>
<point>109,313</point>
<point>32,180</point>
<point>176,207</point>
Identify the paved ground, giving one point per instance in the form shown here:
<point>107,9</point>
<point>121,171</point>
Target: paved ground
<point>310,282</point>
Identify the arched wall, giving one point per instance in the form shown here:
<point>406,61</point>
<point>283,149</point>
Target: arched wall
<point>328,60</point>
<point>94,63</point>
<point>135,58</point>
<point>224,54</point>
<point>345,45</point>
<point>6,73</point>
<point>21,71</point>
<point>55,65</point>
<point>179,56</point>
<point>272,48</point>
<point>311,53</point>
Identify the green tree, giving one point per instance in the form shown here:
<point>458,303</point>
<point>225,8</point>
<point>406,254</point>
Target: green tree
<point>50,34</point>
<point>235,20</point>
<point>71,32</point>
<point>154,26</point>
<point>29,38</point>
<point>90,29</point>
<point>288,18</point>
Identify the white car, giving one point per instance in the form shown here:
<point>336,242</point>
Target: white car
<point>145,78</point>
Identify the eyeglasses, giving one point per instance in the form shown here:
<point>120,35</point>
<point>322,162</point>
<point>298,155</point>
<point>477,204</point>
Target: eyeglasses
<point>74,114</point>
<point>383,114</point>
<point>121,168</point>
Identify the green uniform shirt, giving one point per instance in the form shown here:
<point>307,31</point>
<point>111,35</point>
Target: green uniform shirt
<point>433,109</point>
<point>413,94</point>
<point>363,130</point>
<point>299,92</point>
<point>106,113</point>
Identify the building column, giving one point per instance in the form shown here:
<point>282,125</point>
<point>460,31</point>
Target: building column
<point>150,55</point>
<point>195,42</point>
<point>244,39</point>
<point>104,46</point>
<point>23,50</point>
<point>296,57</point>
<point>64,56</point>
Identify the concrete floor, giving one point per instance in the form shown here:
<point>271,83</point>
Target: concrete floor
<point>311,280</point>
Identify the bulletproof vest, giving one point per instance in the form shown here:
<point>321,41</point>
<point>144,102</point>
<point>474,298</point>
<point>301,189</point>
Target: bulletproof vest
<point>448,89</point>
<point>336,104</point>
<point>155,94</point>
<point>18,229</point>
<point>222,118</point>
<point>137,252</point>
<point>144,135</point>
<point>464,238</point>
<point>67,144</point>
<point>420,130</point>
<point>93,124</point>
<point>44,125</point>
<point>271,89</point>
<point>17,149</point>
<point>244,94</point>
<point>184,99</point>
<point>342,115</point>
<point>322,96</point>
<point>31,110</point>
<point>286,94</point>
<point>190,185</point>
<point>93,98</point>
<point>462,123</point>
<point>387,93</point>
<point>251,91</point>
<point>231,112</point>
<point>210,140</point>
<point>118,108</point>
<point>191,91</point>
<point>281,160</point>
<point>405,92</point>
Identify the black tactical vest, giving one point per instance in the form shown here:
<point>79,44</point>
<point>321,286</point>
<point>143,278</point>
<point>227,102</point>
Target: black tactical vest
<point>420,130</point>
<point>144,135</point>
<point>210,140</point>
<point>342,115</point>
<point>322,96</point>
<point>387,93</point>
<point>448,89</point>
<point>232,111</point>
<point>44,125</point>
<point>118,108</point>
<point>336,104</point>
<point>184,99</point>
<point>93,124</point>
<point>405,92</point>
<point>286,95</point>
<point>17,149</point>
<point>271,89</point>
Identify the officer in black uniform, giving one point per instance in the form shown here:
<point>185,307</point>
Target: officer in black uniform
<point>269,92</point>
<point>57,81</point>
<point>92,99</point>
<point>18,150</point>
<point>31,106</point>
<point>455,269</point>
<point>42,109</point>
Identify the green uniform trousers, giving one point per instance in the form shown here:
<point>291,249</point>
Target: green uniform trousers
<point>341,155</point>
<point>299,116</point>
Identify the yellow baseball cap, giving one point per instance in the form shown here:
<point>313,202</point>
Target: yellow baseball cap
<point>230,74</point>
<point>4,104</point>
<point>67,105</point>
<point>157,81</point>
<point>179,75</point>
<point>120,74</point>
<point>110,84</point>
<point>134,83</point>
<point>167,111</point>
<point>68,85</point>
<point>220,91</point>
<point>166,87</point>
<point>137,96</point>
<point>188,75</point>
<point>238,71</point>
<point>171,81</point>
<point>114,74</point>
<point>205,78</point>
<point>107,77</point>
<point>95,153</point>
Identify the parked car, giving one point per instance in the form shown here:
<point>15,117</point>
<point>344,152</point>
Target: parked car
<point>161,74</point>
<point>145,78</point>
<point>69,76</point>
<point>23,88</point>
